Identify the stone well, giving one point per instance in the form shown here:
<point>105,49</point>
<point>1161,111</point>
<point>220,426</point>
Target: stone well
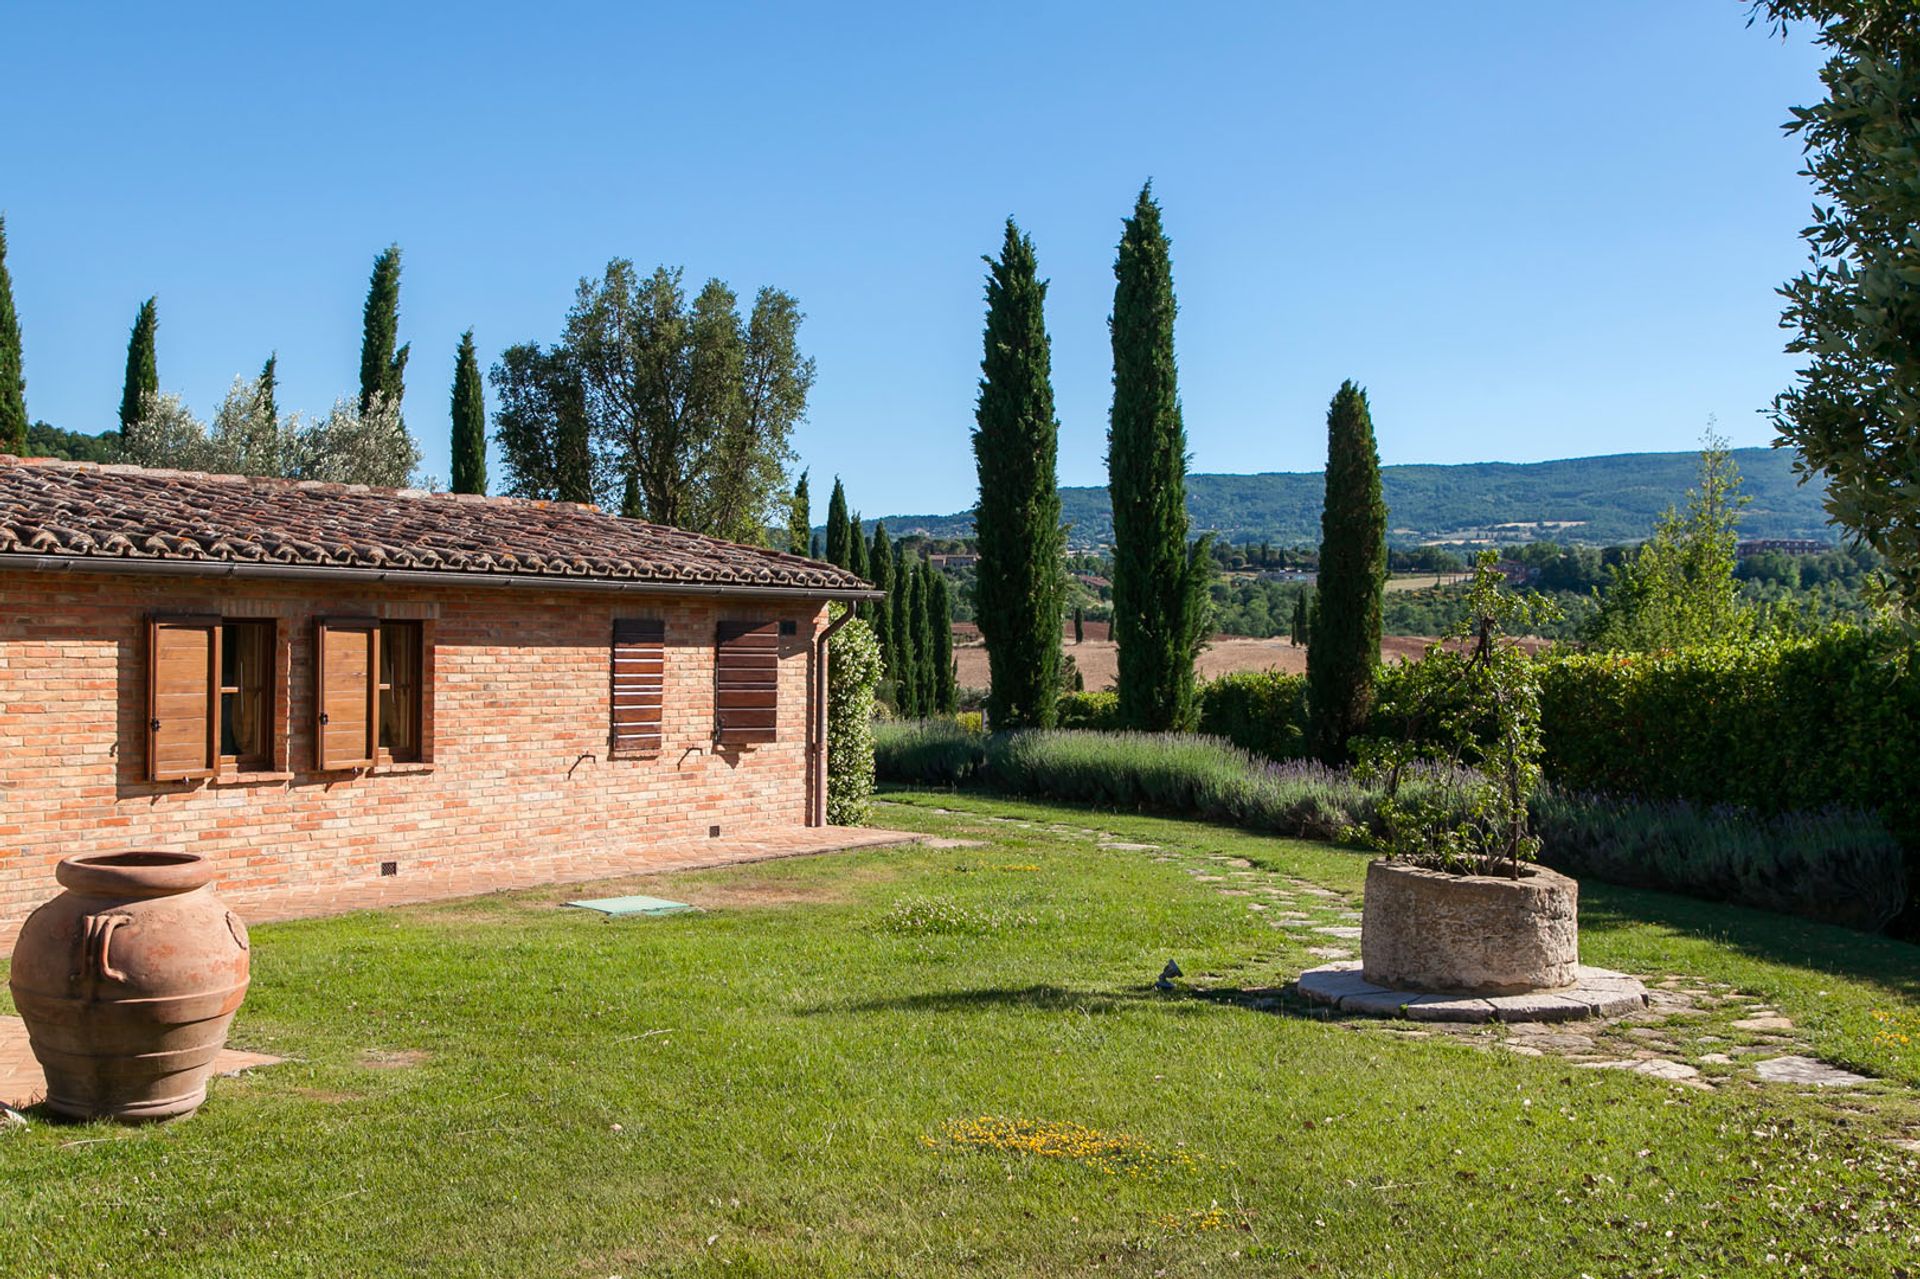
<point>1477,935</point>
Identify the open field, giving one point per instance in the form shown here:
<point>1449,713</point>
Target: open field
<point>950,1060</point>
<point>1099,659</point>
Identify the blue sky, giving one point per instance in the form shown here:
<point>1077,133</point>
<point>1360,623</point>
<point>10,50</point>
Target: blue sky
<point>1531,230</point>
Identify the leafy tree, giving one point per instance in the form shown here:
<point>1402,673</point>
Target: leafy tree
<point>44,440</point>
<point>143,367</point>
<point>838,552</point>
<point>1471,706</point>
<point>799,517</point>
<point>1343,651</point>
<point>880,561</point>
<point>945,692</point>
<point>13,381</point>
<point>344,447</point>
<point>1855,412</point>
<point>1160,602</point>
<point>383,366</point>
<point>469,421</point>
<point>1019,590</point>
<point>696,404</point>
<point>1680,587</point>
<point>540,426</point>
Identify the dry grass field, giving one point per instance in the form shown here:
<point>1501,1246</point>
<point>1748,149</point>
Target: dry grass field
<point>1099,659</point>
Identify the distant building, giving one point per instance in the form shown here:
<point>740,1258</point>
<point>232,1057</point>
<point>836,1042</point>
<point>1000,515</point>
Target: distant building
<point>954,561</point>
<point>1785,545</point>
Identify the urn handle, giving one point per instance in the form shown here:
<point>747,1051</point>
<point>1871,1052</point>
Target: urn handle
<point>97,939</point>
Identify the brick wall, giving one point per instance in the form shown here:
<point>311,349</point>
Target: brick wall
<point>519,713</point>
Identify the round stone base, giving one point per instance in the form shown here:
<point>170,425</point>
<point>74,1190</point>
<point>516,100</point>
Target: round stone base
<point>1596,992</point>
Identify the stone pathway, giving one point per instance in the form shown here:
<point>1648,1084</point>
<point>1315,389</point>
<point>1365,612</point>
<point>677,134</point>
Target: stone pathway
<point>1691,1033</point>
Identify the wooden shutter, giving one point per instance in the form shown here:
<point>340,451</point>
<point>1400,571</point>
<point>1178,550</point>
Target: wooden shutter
<point>183,698</point>
<point>747,682</point>
<point>347,692</point>
<point>639,687</point>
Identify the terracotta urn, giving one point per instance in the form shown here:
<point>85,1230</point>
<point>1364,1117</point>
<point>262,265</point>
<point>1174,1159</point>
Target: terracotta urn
<point>127,982</point>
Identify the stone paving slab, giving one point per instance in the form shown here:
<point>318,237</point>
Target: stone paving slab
<point>22,1083</point>
<point>1793,1069</point>
<point>1599,992</point>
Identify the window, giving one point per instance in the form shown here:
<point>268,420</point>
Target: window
<point>638,688</point>
<point>400,690</point>
<point>746,683</point>
<point>246,696</point>
<point>374,692</point>
<point>210,701</point>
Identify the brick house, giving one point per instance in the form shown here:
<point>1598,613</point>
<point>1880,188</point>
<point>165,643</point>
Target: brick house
<point>319,683</point>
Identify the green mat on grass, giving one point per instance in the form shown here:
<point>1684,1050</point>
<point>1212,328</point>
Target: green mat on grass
<point>633,906</point>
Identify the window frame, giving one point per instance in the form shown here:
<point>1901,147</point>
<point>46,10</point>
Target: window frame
<point>211,688</point>
<point>373,753</point>
<point>415,750</point>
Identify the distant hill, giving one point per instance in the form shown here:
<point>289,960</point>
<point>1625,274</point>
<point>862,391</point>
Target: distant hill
<point>1600,500</point>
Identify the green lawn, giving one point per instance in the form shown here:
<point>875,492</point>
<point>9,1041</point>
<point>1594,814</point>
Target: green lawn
<point>788,1082</point>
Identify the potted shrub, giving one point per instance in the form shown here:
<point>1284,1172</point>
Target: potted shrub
<point>1456,906</point>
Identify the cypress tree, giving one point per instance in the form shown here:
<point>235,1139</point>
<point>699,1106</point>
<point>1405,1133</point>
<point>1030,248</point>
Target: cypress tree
<point>1079,625</point>
<point>143,365</point>
<point>880,558</point>
<point>469,421</point>
<point>382,366</point>
<point>837,526</point>
<point>1298,632</point>
<point>1021,589</point>
<point>799,517</point>
<point>905,697</point>
<point>856,548</point>
<point>630,498</point>
<point>1160,603</point>
<point>1343,648</point>
<point>268,392</point>
<point>924,674</point>
<point>945,695</point>
<point>13,380</point>
<point>818,548</point>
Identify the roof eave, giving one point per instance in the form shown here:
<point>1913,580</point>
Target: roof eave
<point>251,570</point>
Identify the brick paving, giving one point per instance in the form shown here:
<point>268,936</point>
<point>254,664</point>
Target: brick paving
<point>22,1084</point>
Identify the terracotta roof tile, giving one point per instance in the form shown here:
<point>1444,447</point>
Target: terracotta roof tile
<point>88,511</point>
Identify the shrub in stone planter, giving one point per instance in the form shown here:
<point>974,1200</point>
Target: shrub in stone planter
<point>1455,906</point>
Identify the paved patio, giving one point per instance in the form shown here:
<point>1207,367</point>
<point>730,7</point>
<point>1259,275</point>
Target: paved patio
<point>22,1084</point>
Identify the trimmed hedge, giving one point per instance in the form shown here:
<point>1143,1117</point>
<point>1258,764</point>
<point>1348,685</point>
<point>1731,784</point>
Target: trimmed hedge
<point>1100,711</point>
<point>1774,725</point>
<point>1261,711</point>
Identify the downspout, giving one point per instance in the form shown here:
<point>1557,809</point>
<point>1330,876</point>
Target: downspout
<point>817,743</point>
